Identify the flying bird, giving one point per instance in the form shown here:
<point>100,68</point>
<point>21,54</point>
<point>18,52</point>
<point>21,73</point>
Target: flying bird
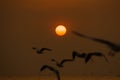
<point>89,56</point>
<point>113,47</point>
<point>62,62</point>
<point>52,69</point>
<point>74,55</point>
<point>81,55</point>
<point>40,51</point>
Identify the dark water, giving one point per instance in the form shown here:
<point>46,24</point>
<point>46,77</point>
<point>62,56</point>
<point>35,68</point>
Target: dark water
<point>62,78</point>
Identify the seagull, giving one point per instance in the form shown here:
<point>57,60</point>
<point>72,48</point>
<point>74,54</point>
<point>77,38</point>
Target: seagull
<point>81,55</point>
<point>62,62</point>
<point>74,55</point>
<point>89,56</point>
<point>113,47</point>
<point>52,69</point>
<point>40,51</point>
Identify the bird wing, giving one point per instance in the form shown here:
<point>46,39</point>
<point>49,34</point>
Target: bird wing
<point>103,41</point>
<point>46,49</point>
<point>79,34</point>
<point>74,53</point>
<point>52,69</point>
<point>57,74</point>
<point>43,49</point>
<point>95,39</point>
<point>88,57</point>
<point>66,60</point>
<point>83,55</point>
<point>99,54</point>
<point>38,51</point>
<point>44,67</point>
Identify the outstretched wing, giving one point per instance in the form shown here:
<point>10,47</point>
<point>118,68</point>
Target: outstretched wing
<point>66,60</point>
<point>39,51</point>
<point>44,67</point>
<point>95,39</point>
<point>48,49</point>
<point>57,74</point>
<point>52,69</point>
<point>79,34</point>
<point>88,57</point>
<point>98,54</point>
<point>81,55</point>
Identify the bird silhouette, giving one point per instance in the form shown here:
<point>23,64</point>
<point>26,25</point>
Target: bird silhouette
<point>113,47</point>
<point>89,56</point>
<point>52,69</point>
<point>81,55</point>
<point>74,55</point>
<point>62,62</point>
<point>40,51</point>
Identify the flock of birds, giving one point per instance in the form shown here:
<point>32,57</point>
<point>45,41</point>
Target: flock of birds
<point>86,56</point>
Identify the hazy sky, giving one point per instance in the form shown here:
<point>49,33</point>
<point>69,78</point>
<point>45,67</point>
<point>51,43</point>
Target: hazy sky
<point>28,23</point>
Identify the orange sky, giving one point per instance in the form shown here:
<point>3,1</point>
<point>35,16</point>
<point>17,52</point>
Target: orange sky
<point>27,23</point>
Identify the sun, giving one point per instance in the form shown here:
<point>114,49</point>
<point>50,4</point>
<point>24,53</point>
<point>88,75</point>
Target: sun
<point>60,30</point>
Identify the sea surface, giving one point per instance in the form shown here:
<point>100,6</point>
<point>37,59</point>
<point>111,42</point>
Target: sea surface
<point>62,78</point>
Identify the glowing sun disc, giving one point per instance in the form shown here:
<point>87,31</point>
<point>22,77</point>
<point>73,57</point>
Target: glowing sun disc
<point>60,30</point>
